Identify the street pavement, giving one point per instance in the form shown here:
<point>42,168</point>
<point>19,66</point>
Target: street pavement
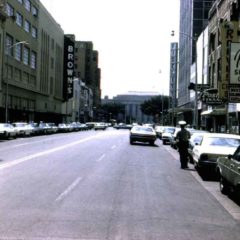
<point>95,185</point>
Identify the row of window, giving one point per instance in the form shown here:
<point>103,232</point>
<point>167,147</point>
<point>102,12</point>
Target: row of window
<point>20,21</point>
<point>29,7</point>
<point>20,52</point>
<point>21,103</point>
<point>21,76</point>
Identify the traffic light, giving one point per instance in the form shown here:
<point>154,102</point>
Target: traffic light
<point>191,86</point>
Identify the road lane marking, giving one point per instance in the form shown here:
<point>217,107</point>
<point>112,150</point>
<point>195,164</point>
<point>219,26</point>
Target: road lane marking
<point>68,190</point>
<point>30,157</point>
<point>101,158</point>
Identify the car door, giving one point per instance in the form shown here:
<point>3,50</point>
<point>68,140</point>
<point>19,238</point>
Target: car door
<point>234,168</point>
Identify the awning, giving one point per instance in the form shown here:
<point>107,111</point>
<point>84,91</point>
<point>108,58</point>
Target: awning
<point>207,112</point>
<point>214,112</point>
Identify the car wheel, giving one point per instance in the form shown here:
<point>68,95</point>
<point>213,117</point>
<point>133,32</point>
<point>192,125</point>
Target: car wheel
<point>164,142</point>
<point>151,143</point>
<point>131,142</point>
<point>223,185</point>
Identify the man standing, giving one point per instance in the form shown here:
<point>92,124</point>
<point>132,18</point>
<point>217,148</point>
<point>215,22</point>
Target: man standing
<point>182,142</point>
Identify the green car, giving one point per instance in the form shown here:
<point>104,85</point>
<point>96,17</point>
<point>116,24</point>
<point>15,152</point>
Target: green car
<point>228,169</point>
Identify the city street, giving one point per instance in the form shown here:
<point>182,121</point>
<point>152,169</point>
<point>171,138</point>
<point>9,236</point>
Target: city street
<point>95,185</point>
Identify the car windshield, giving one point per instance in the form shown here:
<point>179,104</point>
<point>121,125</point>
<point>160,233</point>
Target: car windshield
<point>169,130</point>
<point>220,141</point>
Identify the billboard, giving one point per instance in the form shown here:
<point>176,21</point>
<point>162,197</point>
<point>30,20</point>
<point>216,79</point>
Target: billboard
<point>68,68</point>
<point>235,63</point>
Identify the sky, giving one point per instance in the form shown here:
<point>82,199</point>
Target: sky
<point>132,38</point>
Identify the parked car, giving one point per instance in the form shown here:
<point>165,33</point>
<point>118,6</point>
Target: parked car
<point>23,129</point>
<point>7,130</point>
<point>63,128</point>
<point>167,134</point>
<point>228,169</point>
<point>53,127</point>
<point>211,146</point>
<point>36,129</point>
<point>143,134</point>
<point>195,139</point>
<point>100,126</point>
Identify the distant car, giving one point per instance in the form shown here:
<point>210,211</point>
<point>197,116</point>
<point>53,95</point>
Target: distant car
<point>143,134</point>
<point>211,146</point>
<point>159,131</point>
<point>7,130</point>
<point>100,126</point>
<point>228,169</point>
<point>123,126</point>
<point>167,134</point>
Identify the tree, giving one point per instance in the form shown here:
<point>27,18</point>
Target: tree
<point>111,110</point>
<point>156,106</point>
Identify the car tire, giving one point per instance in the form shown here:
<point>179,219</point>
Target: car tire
<point>223,185</point>
<point>131,142</point>
<point>151,143</point>
<point>164,142</point>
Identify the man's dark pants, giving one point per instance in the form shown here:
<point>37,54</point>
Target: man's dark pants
<point>183,152</point>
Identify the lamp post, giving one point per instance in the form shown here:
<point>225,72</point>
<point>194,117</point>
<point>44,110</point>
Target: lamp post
<point>196,77</point>
<point>8,47</point>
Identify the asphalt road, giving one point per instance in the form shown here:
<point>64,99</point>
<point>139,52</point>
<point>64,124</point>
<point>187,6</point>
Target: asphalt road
<point>95,185</point>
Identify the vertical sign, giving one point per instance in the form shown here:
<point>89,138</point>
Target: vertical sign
<point>68,67</point>
<point>235,63</point>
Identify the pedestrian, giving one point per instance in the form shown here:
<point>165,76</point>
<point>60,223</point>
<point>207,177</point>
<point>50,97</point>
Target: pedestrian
<point>182,139</point>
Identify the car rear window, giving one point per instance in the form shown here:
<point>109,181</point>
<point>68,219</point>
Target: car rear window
<point>228,142</point>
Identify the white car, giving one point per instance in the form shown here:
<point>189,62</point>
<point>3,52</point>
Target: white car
<point>167,134</point>
<point>23,129</point>
<point>211,146</point>
<point>7,130</point>
<point>100,126</point>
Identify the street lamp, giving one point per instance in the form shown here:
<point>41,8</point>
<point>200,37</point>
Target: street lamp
<point>196,76</point>
<point>8,47</point>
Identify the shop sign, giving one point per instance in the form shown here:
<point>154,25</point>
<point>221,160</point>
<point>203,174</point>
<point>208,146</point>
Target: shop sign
<point>235,63</point>
<point>211,99</point>
<point>68,67</point>
<point>234,95</point>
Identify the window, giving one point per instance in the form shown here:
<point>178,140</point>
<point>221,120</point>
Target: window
<point>52,63</point>
<point>26,55</point>
<point>52,44</point>
<point>27,5</point>
<point>17,74</point>
<point>9,10</point>
<point>34,11</point>
<point>8,46</point>
<point>33,60</point>
<point>19,19</point>
<point>18,52</point>
<point>34,32</point>
<point>25,77</point>
<point>27,26</point>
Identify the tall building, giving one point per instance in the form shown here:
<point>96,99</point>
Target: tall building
<point>224,75</point>
<point>32,55</point>
<point>193,20</point>
<point>86,68</point>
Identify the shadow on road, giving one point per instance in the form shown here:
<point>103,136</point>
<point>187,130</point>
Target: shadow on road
<point>144,144</point>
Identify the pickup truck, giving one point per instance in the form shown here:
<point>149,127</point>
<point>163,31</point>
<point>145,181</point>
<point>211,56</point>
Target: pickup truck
<point>228,169</point>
